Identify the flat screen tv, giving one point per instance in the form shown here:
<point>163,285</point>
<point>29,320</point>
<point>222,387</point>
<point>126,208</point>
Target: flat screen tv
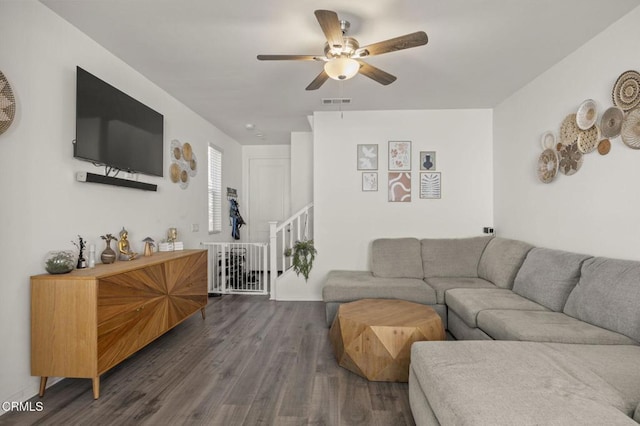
<point>115,130</point>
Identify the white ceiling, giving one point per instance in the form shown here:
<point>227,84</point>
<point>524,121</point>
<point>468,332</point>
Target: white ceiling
<point>203,52</point>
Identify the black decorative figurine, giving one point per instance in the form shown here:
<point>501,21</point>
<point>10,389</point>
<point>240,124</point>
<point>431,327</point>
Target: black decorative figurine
<point>82,262</point>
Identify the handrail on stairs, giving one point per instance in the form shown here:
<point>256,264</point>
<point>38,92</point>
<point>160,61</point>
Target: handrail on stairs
<point>282,236</point>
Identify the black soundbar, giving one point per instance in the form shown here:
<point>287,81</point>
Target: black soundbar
<point>108,180</point>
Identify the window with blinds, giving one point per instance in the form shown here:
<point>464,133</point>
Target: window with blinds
<point>215,189</point>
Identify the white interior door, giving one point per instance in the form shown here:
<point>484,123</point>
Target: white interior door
<point>269,195</point>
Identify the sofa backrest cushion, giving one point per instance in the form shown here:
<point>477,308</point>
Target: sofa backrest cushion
<point>396,258</point>
<point>501,260</point>
<point>452,257</point>
<point>548,276</point>
<point>608,295</point>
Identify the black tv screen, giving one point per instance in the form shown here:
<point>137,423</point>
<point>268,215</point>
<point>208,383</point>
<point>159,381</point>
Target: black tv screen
<point>115,130</point>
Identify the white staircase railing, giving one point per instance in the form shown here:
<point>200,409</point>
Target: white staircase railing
<point>282,237</point>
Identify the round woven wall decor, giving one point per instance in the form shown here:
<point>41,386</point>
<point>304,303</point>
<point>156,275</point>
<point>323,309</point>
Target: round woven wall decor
<point>631,129</point>
<point>569,130</point>
<point>547,165</point>
<point>611,122</point>
<point>588,139</point>
<point>626,90</point>
<point>571,159</point>
<point>604,147</point>
<point>7,104</point>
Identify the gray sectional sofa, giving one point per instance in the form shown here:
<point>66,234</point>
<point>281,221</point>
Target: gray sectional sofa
<point>543,336</point>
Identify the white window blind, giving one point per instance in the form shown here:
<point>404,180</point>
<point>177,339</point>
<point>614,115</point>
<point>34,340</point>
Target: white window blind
<point>215,189</point>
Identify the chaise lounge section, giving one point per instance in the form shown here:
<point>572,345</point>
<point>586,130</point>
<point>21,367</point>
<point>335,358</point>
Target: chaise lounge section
<point>544,336</point>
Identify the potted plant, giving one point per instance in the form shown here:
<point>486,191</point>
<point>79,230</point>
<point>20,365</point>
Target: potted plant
<point>303,253</point>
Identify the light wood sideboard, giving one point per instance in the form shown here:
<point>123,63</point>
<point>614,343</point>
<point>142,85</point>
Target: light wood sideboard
<point>86,322</point>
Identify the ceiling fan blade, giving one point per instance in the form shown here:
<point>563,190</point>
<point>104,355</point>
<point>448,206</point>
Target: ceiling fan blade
<point>376,74</point>
<point>318,81</point>
<point>399,43</point>
<point>330,25</point>
<point>289,58</point>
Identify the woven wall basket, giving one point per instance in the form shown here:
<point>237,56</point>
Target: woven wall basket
<point>7,104</point>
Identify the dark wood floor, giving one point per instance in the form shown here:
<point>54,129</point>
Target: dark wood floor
<point>251,362</point>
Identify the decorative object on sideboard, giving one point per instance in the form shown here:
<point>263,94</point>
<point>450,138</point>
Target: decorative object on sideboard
<point>149,244</point>
<point>547,165</point>
<point>60,261</point>
<point>7,104</point>
<point>108,255</point>
<point>611,122</point>
<point>630,131</point>
<point>82,262</point>
<point>124,247</point>
<point>92,256</point>
<point>172,235</point>
<point>626,90</point>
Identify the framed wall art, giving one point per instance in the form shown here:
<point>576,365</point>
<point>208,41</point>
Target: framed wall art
<point>399,187</point>
<point>399,155</point>
<point>430,185</point>
<point>368,157</point>
<point>369,181</point>
<point>428,160</point>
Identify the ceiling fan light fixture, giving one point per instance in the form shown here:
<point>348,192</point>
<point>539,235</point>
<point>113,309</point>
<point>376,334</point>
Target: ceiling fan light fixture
<point>342,68</point>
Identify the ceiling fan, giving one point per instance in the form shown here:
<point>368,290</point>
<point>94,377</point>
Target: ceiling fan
<point>342,54</point>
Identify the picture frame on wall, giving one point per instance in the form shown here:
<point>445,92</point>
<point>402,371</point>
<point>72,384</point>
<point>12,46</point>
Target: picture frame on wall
<point>430,185</point>
<point>399,187</point>
<point>399,155</point>
<point>428,160</point>
<point>367,157</point>
<point>369,181</point>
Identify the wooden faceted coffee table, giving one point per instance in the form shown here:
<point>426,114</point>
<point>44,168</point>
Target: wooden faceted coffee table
<point>373,337</point>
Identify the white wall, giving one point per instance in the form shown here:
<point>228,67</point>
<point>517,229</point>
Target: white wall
<point>347,219</point>
<point>301,170</point>
<point>594,211</point>
<point>42,207</point>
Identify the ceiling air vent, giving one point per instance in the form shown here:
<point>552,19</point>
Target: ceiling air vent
<point>336,101</point>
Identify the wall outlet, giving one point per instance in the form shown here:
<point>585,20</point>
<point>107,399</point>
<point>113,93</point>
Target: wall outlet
<point>488,230</point>
<point>195,227</point>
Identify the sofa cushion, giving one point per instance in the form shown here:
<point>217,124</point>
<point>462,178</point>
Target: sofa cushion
<point>468,302</point>
<point>442,284</point>
<point>617,364</point>
<point>501,260</point>
<point>548,276</point>
<point>452,257</point>
<point>636,415</point>
<point>545,326</point>
<point>513,383</point>
<point>608,295</point>
<point>347,286</point>
<point>396,258</point>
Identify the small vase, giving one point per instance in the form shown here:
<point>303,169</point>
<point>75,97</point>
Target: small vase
<point>108,255</point>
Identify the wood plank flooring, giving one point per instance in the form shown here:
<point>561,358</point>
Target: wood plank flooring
<point>251,362</point>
